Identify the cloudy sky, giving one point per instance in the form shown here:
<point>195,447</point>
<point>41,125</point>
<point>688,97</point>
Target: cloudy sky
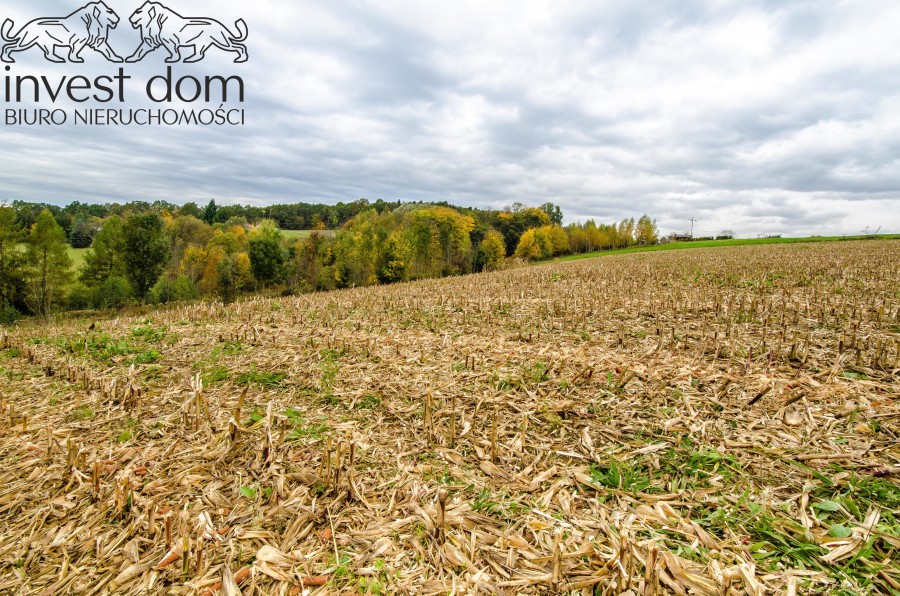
<point>762,117</point>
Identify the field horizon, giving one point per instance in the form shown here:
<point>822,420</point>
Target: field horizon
<point>77,254</point>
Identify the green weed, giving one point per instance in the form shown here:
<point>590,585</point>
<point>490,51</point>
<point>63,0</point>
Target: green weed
<point>259,377</point>
<point>149,334</point>
<point>229,348</point>
<point>369,402</point>
<point>11,375</point>
<point>302,430</point>
<point>255,416</point>
<point>498,504</point>
<point>215,375</point>
<point>621,476</point>
<point>330,369</point>
<point>82,413</point>
<point>147,357</point>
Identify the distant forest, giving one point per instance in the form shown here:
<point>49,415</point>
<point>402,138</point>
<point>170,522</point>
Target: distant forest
<point>162,252</point>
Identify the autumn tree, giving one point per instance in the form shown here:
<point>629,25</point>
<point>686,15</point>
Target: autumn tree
<point>491,251</point>
<point>420,234</point>
<point>556,238</point>
<point>242,270</point>
<point>305,265</point>
<point>453,233</point>
<point>106,257</point>
<point>146,251</point>
<point>12,279</point>
<point>553,212</point>
<point>209,283</point>
<point>267,254</point>
<point>528,247</point>
<point>577,238</point>
<point>625,233</point>
<point>185,231</point>
<point>439,241</point>
<point>228,280</point>
<point>544,242</point>
<point>193,263</point>
<point>48,264</point>
<point>356,248</point>
<point>513,225</point>
<point>392,259</point>
<point>646,231</point>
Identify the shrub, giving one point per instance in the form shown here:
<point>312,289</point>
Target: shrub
<point>8,313</point>
<point>174,290</point>
<point>80,297</point>
<point>114,293</point>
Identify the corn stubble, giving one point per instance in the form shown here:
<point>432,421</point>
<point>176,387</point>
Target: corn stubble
<point>592,427</point>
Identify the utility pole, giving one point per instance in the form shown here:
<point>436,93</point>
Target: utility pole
<point>692,226</point>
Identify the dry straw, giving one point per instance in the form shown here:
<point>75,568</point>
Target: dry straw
<point>692,422</point>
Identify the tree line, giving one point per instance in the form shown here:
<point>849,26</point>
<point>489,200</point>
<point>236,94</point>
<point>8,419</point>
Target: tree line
<point>161,252</point>
<point>80,222</point>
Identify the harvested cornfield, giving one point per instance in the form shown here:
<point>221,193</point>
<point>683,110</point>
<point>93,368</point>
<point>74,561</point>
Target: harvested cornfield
<point>711,421</point>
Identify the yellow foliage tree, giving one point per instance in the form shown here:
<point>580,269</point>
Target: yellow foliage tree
<point>646,232</point>
<point>240,236</point>
<point>193,262</point>
<point>528,247</point>
<point>242,270</point>
<point>209,283</point>
<point>492,250</point>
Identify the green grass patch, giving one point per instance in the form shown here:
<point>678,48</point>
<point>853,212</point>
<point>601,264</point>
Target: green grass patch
<point>215,375</point>
<point>261,377</point>
<point>303,234</point>
<point>149,334</point>
<point>229,348</point>
<point>718,243</point>
<point>11,375</point>
<point>330,369</point>
<point>147,357</point>
<point>777,540</point>
<point>369,402</point>
<point>250,492</point>
<point>81,414</point>
<point>97,346</point>
<point>12,353</point>
<point>102,347</point>
<point>77,256</point>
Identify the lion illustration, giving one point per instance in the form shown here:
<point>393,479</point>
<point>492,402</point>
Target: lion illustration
<point>86,27</point>
<point>162,26</point>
